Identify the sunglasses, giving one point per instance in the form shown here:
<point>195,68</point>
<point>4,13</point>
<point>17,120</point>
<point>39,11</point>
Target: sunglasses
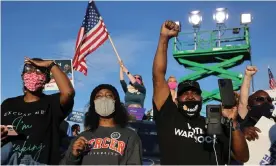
<point>137,78</point>
<point>263,99</point>
<point>30,69</point>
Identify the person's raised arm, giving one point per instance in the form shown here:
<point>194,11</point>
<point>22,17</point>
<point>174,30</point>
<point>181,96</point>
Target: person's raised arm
<point>121,74</point>
<point>129,75</point>
<point>122,80</point>
<point>245,88</point>
<point>161,89</point>
<point>65,87</point>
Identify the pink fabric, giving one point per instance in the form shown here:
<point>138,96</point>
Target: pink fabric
<point>33,81</point>
<point>138,81</point>
<point>172,85</point>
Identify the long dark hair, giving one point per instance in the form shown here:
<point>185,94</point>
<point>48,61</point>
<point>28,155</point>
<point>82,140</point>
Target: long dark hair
<point>120,115</point>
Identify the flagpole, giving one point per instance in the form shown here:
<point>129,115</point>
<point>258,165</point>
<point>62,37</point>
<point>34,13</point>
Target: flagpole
<point>109,37</point>
<point>114,48</point>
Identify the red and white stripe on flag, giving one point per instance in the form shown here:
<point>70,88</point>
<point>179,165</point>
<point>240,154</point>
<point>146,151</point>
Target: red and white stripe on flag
<point>272,84</point>
<point>92,34</point>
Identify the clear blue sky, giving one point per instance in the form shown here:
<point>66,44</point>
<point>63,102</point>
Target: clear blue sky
<point>49,29</point>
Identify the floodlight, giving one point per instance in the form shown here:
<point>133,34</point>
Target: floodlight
<point>246,18</point>
<point>195,18</point>
<point>221,15</point>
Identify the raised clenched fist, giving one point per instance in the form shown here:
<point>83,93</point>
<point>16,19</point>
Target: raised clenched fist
<point>79,146</point>
<point>251,70</point>
<point>169,29</point>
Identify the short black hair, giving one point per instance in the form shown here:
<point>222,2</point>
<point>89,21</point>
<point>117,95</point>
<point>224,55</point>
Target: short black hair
<point>43,69</point>
<point>75,127</point>
<point>120,115</point>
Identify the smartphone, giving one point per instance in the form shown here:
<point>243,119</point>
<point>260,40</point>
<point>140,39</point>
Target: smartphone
<point>213,120</point>
<point>11,131</point>
<point>179,24</point>
<point>226,93</point>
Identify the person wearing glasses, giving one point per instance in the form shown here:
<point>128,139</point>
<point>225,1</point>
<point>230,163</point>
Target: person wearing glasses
<point>135,92</point>
<point>36,117</point>
<point>252,108</point>
<point>259,104</point>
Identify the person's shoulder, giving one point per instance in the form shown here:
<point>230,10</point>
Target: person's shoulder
<point>51,97</point>
<point>131,128</point>
<point>12,100</point>
<point>86,134</point>
<point>167,105</point>
<point>130,131</point>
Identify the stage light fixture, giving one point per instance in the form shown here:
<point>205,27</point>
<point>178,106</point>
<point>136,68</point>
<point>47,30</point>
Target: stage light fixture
<point>220,15</point>
<point>246,18</point>
<point>195,18</point>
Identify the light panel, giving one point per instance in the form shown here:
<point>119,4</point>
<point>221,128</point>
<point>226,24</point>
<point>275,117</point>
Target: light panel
<point>246,18</point>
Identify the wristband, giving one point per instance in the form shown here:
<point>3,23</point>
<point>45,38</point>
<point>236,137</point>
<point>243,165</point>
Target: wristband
<point>238,127</point>
<point>51,65</point>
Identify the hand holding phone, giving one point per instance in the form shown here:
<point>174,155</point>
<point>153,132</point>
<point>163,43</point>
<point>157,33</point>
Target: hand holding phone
<point>230,114</point>
<point>11,131</point>
<point>227,95</point>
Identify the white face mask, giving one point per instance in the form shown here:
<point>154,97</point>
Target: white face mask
<point>104,106</point>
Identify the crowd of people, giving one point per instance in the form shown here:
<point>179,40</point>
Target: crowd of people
<point>107,138</point>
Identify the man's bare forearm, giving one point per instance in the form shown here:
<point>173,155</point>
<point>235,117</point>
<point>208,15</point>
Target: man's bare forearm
<point>243,101</point>
<point>239,145</point>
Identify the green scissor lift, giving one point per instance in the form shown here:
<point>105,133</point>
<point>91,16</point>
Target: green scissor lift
<point>196,51</point>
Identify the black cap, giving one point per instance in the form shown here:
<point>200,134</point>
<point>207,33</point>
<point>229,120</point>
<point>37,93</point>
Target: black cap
<point>188,85</point>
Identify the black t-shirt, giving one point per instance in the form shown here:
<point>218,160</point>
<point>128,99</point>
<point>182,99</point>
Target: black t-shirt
<point>183,141</point>
<point>37,124</point>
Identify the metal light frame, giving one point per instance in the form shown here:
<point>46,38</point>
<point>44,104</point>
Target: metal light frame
<point>220,12</point>
<point>196,14</point>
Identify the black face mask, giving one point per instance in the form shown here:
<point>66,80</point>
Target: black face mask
<point>258,111</point>
<point>190,108</point>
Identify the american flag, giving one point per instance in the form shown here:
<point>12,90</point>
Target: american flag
<point>272,83</point>
<point>92,34</point>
